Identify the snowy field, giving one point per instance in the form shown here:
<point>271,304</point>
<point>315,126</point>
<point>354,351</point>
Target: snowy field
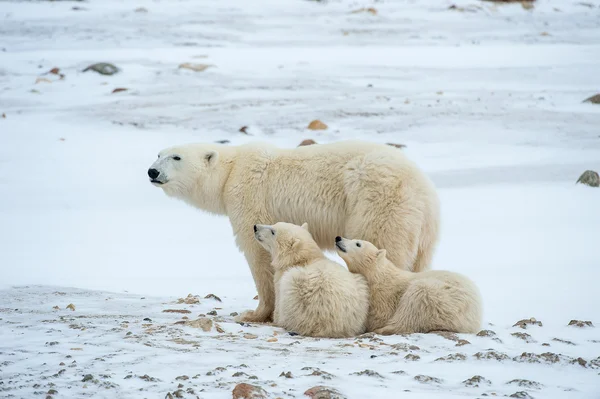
<point>487,98</point>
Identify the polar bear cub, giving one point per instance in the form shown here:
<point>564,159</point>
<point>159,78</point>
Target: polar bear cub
<point>403,302</point>
<point>314,296</point>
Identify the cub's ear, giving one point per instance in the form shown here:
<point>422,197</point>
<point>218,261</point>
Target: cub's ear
<point>305,226</point>
<point>211,157</point>
<point>296,244</point>
<point>381,255</point>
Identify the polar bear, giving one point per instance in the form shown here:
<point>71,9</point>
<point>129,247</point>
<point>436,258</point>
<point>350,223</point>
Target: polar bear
<point>314,296</point>
<point>353,188</point>
<point>403,302</point>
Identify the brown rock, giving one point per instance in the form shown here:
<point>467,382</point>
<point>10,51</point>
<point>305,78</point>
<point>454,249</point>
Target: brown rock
<point>491,354</point>
<point>286,374</point>
<point>476,381</point>
<point>213,296</point>
<point>272,339</point>
<point>369,10</point>
<point>454,357</point>
<point>486,333</point>
<point>589,178</point>
<point>182,311</point>
<point>54,71</point>
<point>71,307</point>
<point>462,342</point>
<point>307,142</point>
<point>119,89</point>
<point>194,67</point>
<point>250,336</point>
<point>244,129</point>
<point>255,298</point>
<point>525,384</point>
<point>189,300</point>
<point>581,323</point>
<point>526,322</point>
<point>595,99</point>
<point>248,391</point>
<point>425,379</point>
<point>412,358</point>
<point>317,125</point>
<point>322,392</point>
<point>203,323</point>
<point>524,336</point>
<point>396,145</point>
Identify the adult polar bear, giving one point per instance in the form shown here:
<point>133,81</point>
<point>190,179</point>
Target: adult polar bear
<point>355,189</point>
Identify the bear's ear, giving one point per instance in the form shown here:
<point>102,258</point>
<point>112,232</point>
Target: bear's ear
<point>211,157</point>
<point>381,255</point>
<point>305,226</point>
<point>296,244</point>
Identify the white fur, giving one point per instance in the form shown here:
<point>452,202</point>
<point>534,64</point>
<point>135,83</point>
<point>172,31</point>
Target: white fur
<point>353,188</point>
<point>402,302</point>
<point>314,296</point>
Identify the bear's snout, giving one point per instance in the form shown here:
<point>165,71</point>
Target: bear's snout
<point>338,239</point>
<point>153,173</point>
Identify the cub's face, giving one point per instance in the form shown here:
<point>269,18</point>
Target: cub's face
<point>180,170</point>
<point>281,237</point>
<point>360,256</point>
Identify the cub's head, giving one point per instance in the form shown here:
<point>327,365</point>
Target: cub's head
<point>360,256</point>
<point>193,173</point>
<point>288,244</point>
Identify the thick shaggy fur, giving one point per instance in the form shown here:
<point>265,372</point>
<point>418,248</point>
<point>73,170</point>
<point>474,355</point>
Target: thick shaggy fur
<point>358,189</point>
<point>314,296</point>
<point>402,302</point>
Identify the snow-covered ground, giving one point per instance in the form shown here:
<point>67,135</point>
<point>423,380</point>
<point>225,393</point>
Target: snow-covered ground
<point>488,100</point>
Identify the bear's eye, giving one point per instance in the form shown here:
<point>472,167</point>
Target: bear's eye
<point>358,244</point>
<point>177,158</point>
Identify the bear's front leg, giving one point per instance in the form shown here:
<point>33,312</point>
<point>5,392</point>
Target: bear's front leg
<point>262,272</point>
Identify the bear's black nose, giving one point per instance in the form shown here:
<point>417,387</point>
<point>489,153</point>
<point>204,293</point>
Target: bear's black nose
<point>255,229</point>
<point>338,239</point>
<point>153,173</point>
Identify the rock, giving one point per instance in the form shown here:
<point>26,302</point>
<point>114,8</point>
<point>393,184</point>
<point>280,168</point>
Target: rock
<point>405,347</point>
<point>52,392</point>
<point>563,341</point>
<point>369,10</point>
<point>181,311</point>
<point>486,333</point>
<point>212,313</point>
<point>396,145</point>
<point>412,358</point>
<point>462,342</point>
<point>194,67</point>
<point>581,323</point>
<point>119,89</point>
<point>71,307</point>
<point>524,336</point>
<point>219,329</point>
<point>319,373</point>
<point>221,142</point>
<point>147,378</point>
<point>491,354</point>
<point>307,142</point>
<point>149,320</point>
<point>525,384</point>
<point>54,71</point>
<point>589,178</point>
<point>322,392</point>
<point>87,377</point>
<point>190,299</point>
<point>248,391</point>
<point>213,296</point>
<point>244,129</point>
<point>425,379</point>
<point>521,394</point>
<point>399,372</point>
<point>250,336</point>
<point>56,308</point>
<point>454,357</point>
<point>317,125</point>
<point>102,68</point>
<point>476,381</point>
<point>286,375</point>
<point>368,373</point>
<point>141,10</point>
<point>272,339</point>
<point>203,323</point>
<point>447,334</point>
<point>548,358</point>
<point>526,322</point>
<point>595,364</point>
<point>595,99</point>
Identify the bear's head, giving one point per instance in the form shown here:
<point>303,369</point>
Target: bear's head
<point>360,256</point>
<point>195,173</point>
<point>288,244</point>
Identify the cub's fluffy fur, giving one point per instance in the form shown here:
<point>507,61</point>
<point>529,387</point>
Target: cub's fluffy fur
<point>314,296</point>
<point>402,302</point>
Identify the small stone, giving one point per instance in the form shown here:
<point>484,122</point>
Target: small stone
<point>181,311</point>
<point>102,68</point>
<point>319,373</point>
<point>589,178</point>
<point>255,298</point>
<point>368,373</point>
<point>55,308</point>
<point>399,372</point>
<point>71,307</point>
<point>526,322</point>
<point>286,374</point>
<point>250,336</point>
<point>323,392</point>
<point>203,323</point>
<point>222,142</point>
<point>194,67</point>
<point>369,10</point>
<point>141,10</point>
<point>447,334</point>
<point>476,381</point>
<point>595,99</point>
<point>563,341</point>
<point>462,342</point>
<point>317,125</point>
<point>219,329</point>
<point>425,379</point>
<point>244,129</point>
<point>272,339</point>
<point>87,377</point>
<point>52,392</point>
<point>491,354</point>
<point>248,391</point>
<point>412,358</point>
<point>182,378</point>
<point>521,395</point>
<point>486,333</point>
<point>307,142</point>
<point>147,378</point>
<point>149,320</point>
<point>119,89</point>
<point>454,357</point>
<point>213,296</point>
<point>233,314</point>
<point>396,145</point>
<point>525,384</point>
<point>524,336</point>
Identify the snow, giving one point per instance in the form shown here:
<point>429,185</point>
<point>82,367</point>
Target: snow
<point>488,102</point>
